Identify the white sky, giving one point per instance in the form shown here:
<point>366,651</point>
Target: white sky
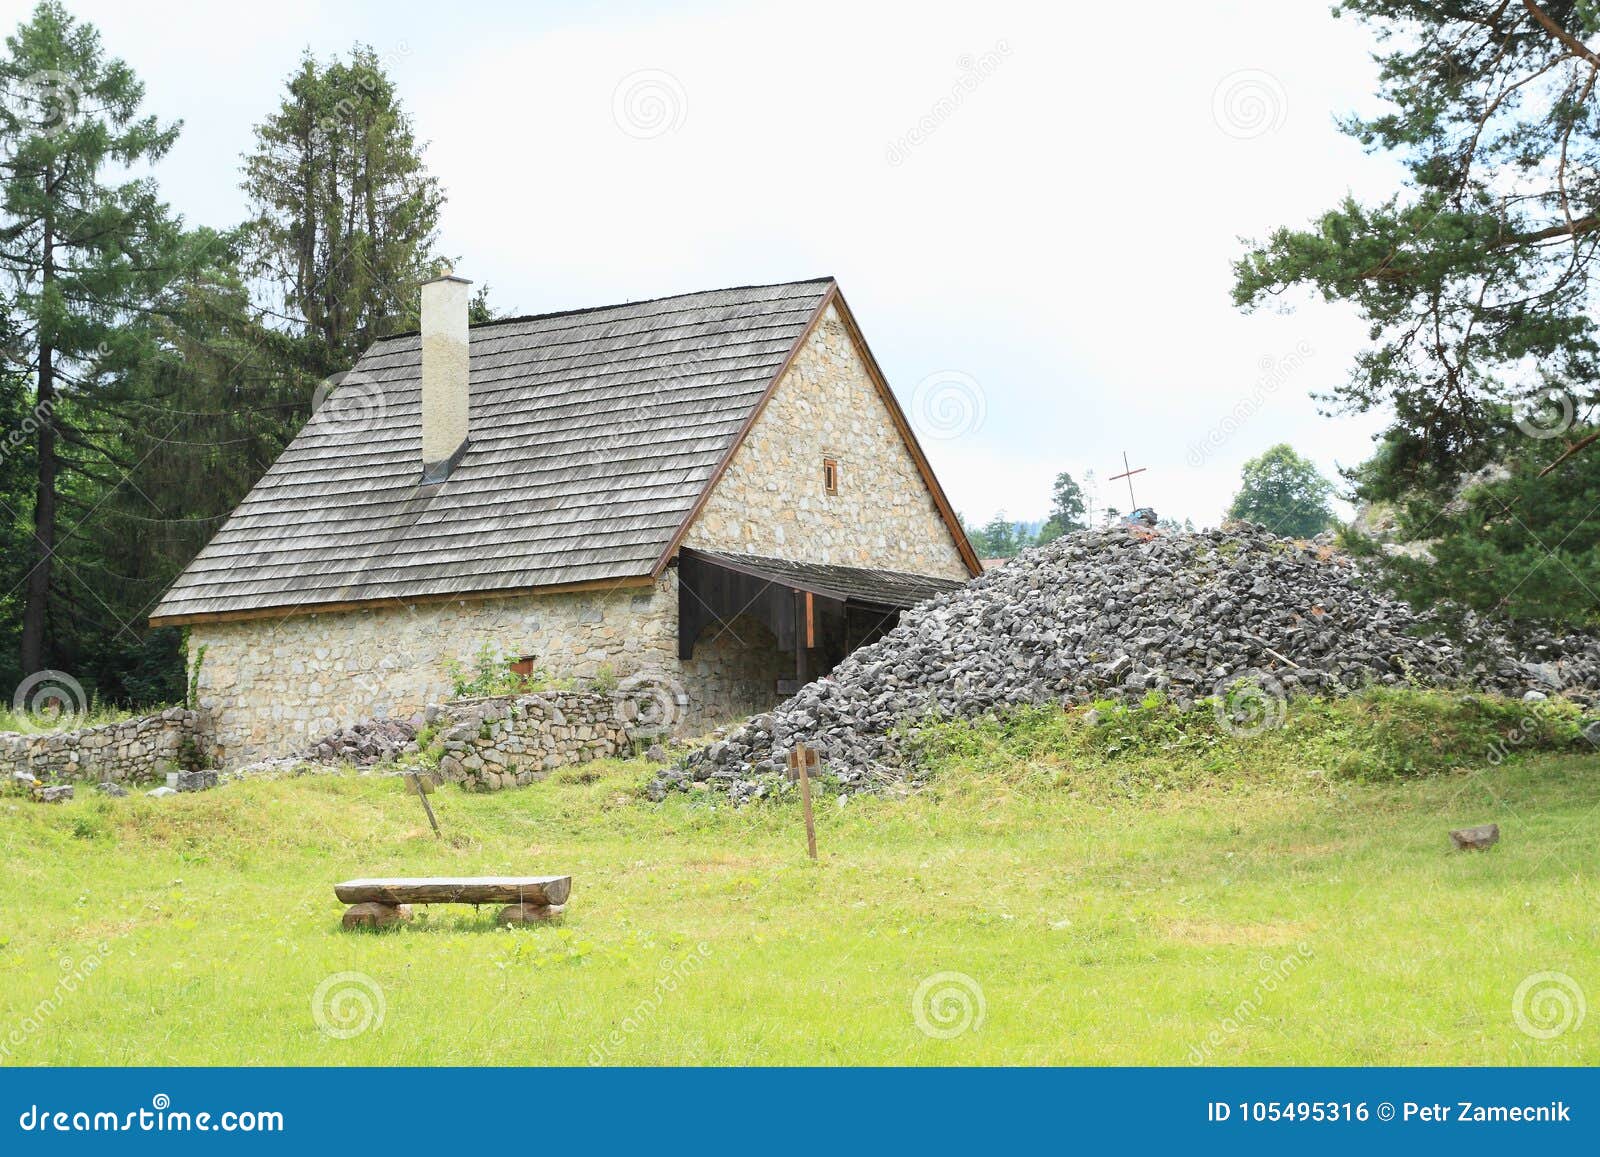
<point>1051,258</point>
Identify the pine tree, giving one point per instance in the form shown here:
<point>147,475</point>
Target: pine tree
<point>1068,509</point>
<point>1000,537</point>
<point>17,470</point>
<point>202,416</point>
<point>1476,280</point>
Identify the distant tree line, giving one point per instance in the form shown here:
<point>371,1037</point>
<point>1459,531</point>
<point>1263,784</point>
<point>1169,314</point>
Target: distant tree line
<point>1280,489</point>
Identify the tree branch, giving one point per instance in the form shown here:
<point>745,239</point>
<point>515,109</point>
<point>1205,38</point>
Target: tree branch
<point>1581,444</point>
<point>1572,42</point>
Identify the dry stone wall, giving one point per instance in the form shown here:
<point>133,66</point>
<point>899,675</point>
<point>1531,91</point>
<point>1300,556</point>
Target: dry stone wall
<point>131,751</point>
<point>497,743</point>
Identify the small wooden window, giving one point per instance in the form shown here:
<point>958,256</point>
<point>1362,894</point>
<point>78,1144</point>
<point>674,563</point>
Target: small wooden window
<point>830,476</point>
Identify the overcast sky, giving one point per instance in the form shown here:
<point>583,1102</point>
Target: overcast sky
<point>1031,208</point>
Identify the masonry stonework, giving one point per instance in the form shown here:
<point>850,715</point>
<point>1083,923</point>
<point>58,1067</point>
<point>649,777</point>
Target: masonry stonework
<point>273,685</point>
<point>130,751</point>
<point>771,500</point>
<point>511,741</point>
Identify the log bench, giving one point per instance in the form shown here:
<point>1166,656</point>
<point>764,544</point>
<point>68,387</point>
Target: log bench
<point>378,903</point>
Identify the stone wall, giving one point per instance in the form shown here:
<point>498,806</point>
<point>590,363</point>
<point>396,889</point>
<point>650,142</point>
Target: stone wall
<point>491,744</point>
<point>734,672</point>
<point>274,686</point>
<point>128,752</point>
<point>771,500</point>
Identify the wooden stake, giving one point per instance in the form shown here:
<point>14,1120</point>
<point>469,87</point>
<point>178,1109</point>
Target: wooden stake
<point>802,758</point>
<point>414,778</point>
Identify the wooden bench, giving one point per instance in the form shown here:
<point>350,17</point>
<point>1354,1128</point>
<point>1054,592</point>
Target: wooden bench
<point>377,903</point>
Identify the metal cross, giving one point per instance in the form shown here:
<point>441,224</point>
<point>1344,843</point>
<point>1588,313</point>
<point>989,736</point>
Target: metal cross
<point>1128,474</point>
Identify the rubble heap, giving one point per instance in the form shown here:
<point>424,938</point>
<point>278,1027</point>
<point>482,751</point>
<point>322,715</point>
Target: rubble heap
<point>364,744</point>
<point>1237,614</point>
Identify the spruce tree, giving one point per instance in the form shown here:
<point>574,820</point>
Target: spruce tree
<point>87,255</point>
<point>345,215</point>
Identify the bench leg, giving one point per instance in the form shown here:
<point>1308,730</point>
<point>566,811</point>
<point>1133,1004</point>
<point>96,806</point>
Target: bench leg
<point>375,915</point>
<point>528,913</point>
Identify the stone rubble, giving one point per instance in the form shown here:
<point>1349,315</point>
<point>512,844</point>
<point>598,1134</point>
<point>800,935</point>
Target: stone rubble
<point>202,780</point>
<point>1118,613</point>
<point>364,744</point>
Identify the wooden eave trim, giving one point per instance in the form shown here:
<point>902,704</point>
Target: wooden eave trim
<point>392,602</point>
<point>793,583</point>
<point>723,463</point>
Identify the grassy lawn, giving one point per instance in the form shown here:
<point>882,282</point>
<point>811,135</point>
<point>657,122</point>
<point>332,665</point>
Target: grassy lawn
<point>1224,901</point>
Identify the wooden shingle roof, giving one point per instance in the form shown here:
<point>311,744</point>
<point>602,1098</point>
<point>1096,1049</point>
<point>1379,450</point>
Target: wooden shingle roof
<point>593,435</point>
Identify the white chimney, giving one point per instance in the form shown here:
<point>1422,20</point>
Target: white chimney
<point>446,390</point>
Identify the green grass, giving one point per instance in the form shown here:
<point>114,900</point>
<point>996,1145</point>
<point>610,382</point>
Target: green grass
<point>1144,891</point>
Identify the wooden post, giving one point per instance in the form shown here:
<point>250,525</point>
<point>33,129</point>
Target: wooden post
<point>802,758</point>
<point>802,637</point>
<point>415,779</point>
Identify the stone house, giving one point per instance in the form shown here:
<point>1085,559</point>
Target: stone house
<point>703,499</point>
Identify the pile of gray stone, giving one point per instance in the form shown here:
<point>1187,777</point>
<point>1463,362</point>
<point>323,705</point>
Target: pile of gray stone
<point>1238,616</point>
<point>363,744</point>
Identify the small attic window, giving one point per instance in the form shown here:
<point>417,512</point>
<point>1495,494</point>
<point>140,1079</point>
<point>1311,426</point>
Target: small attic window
<point>830,476</point>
